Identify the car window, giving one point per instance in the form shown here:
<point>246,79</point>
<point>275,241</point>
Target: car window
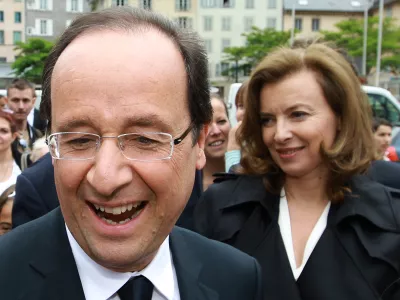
<point>383,108</point>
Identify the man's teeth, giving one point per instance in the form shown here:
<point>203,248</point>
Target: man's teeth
<point>117,210</point>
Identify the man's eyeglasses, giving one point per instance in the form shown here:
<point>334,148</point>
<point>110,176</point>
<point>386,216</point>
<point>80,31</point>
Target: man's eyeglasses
<point>143,146</point>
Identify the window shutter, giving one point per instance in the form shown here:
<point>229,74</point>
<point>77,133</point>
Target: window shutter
<point>49,27</point>
<point>80,5</point>
<point>50,4</point>
<point>37,27</point>
<point>68,8</point>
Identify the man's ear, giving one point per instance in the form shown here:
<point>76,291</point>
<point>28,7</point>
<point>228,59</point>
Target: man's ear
<point>201,140</point>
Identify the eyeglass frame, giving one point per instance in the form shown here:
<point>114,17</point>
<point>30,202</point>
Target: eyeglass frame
<point>174,142</point>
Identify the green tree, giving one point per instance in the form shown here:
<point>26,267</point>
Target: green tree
<point>350,36</point>
<point>94,4</point>
<point>30,61</point>
<point>259,42</point>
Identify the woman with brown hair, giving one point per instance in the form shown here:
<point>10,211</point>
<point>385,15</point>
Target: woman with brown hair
<point>303,207</point>
<point>6,205</point>
<point>9,169</point>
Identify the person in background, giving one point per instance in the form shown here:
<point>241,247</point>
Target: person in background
<point>3,102</point>
<point>302,205</point>
<point>232,156</point>
<point>383,137</point>
<point>21,99</point>
<point>9,169</point>
<point>39,149</point>
<point>216,141</point>
<point>6,205</point>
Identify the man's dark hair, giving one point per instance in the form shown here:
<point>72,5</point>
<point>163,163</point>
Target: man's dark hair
<point>130,19</point>
<point>21,84</point>
<point>380,122</point>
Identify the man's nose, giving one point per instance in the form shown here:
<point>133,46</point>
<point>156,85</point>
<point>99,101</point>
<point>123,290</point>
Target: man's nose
<point>111,170</point>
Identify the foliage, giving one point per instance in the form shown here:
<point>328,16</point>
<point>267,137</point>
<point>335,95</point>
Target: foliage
<point>259,42</point>
<point>31,58</point>
<point>350,37</point>
<point>93,4</point>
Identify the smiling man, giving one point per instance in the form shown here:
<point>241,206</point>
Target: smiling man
<point>126,95</point>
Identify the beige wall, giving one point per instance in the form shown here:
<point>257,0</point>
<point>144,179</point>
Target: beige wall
<point>394,8</point>
<point>9,26</point>
<point>327,20</point>
<point>167,8</point>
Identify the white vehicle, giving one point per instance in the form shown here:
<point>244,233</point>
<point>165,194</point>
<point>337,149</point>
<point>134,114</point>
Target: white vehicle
<point>383,103</point>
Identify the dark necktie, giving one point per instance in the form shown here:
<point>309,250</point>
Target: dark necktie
<point>137,288</point>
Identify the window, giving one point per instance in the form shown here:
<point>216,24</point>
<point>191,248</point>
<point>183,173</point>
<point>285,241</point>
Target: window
<point>389,12</point>
<point>146,4</point>
<point>1,16</point>
<point>208,3</point>
<point>248,23</point>
<point>3,59</point>
<point>208,22</point>
<point>74,5</point>
<point>225,44</point>
<point>315,25</point>
<point>118,2</point>
<point>271,23</point>
<point>383,108</point>
<point>298,24</point>
<point>185,22</point>
<point>217,70</point>
<point>272,4</point>
<point>226,23</point>
<point>17,36</point>
<point>227,3</point>
<point>208,45</point>
<point>17,17</point>
<point>43,5</point>
<point>43,27</point>
<point>224,69</point>
<point>182,5</point>
<point>249,3</point>
<point>1,37</point>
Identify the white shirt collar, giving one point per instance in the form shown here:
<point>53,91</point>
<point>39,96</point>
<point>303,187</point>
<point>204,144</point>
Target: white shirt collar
<point>100,283</point>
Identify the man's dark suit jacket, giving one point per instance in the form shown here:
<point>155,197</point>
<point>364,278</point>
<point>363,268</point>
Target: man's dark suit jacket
<point>37,263</point>
<point>38,123</point>
<point>356,258</point>
<point>36,195</point>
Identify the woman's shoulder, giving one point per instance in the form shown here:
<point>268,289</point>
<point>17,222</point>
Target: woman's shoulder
<point>377,203</point>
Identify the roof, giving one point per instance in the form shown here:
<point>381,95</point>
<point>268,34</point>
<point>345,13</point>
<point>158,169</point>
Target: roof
<point>385,2</point>
<point>325,5</point>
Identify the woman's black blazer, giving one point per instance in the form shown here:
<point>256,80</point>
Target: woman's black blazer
<point>356,258</point>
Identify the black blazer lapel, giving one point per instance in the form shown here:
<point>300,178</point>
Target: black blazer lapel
<point>55,263</point>
<point>188,268</point>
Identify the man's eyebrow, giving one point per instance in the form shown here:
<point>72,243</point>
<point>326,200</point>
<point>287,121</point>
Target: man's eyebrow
<point>72,124</point>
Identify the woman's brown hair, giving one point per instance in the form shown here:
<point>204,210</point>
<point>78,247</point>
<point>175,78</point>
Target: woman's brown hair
<point>10,119</point>
<point>353,148</point>
<point>241,94</point>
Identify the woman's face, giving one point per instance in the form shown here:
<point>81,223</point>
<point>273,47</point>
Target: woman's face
<point>239,111</point>
<point>383,138</point>
<point>217,139</point>
<point>6,137</point>
<point>5,217</point>
<point>295,122</point>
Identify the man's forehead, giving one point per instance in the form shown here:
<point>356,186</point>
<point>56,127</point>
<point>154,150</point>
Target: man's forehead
<point>26,93</point>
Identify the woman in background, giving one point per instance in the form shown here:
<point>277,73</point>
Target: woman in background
<point>6,205</point>
<point>9,169</point>
<point>216,141</point>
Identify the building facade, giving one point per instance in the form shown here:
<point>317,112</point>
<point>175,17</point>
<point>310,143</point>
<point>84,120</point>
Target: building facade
<point>12,23</point>
<point>311,16</point>
<point>184,12</point>
<point>47,19</point>
<point>221,24</point>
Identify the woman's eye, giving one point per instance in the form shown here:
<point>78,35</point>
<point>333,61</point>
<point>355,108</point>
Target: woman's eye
<point>266,121</point>
<point>299,114</point>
